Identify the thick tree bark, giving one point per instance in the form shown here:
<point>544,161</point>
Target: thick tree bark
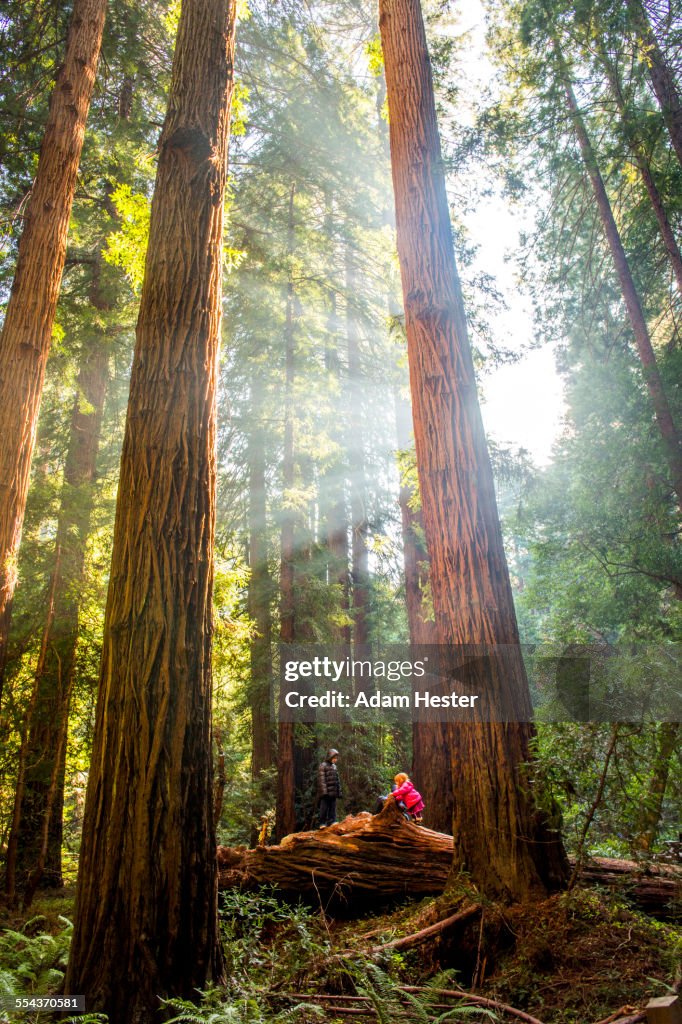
<point>286,782</point>
<point>358,483</point>
<point>430,750</point>
<point>34,848</point>
<point>647,356</point>
<point>146,905</point>
<point>499,836</point>
<point>27,330</point>
<point>640,157</point>
<point>362,856</point>
<point>661,74</point>
<point>260,594</point>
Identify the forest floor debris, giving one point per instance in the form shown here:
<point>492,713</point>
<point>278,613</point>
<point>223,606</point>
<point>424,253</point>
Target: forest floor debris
<point>577,958</point>
<point>570,959</point>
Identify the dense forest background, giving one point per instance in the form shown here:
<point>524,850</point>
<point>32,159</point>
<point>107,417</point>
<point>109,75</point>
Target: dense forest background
<point>319,536</point>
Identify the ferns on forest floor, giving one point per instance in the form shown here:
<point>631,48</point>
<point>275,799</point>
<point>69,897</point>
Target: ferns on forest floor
<point>32,963</point>
<point>392,1005</point>
<point>217,1008</point>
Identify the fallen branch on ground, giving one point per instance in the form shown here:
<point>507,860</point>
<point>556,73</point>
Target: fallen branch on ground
<point>471,1000</point>
<point>617,1018</point>
<point>490,1004</point>
<point>407,941</point>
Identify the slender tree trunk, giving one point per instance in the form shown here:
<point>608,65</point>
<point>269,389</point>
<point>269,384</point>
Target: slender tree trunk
<point>499,836</point>
<point>430,749</point>
<point>286,781</point>
<point>644,167</point>
<point>34,848</point>
<point>27,330</point>
<point>146,903</point>
<point>652,806</point>
<point>633,305</point>
<point>260,594</point>
<point>336,529</point>
<point>333,505</point>
<point>358,482</point>
<point>661,75</point>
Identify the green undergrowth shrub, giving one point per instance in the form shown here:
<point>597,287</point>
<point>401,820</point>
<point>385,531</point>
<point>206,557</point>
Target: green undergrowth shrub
<point>32,964</point>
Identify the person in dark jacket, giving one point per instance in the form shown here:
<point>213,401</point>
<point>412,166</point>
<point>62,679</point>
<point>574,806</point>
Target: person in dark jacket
<point>328,788</point>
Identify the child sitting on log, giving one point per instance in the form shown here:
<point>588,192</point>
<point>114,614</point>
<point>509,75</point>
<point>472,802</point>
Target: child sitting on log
<point>407,797</point>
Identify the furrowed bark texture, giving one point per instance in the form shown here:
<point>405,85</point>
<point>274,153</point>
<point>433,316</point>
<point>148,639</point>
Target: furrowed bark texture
<point>27,330</point>
<point>34,849</point>
<point>645,351</point>
<point>430,748</point>
<point>146,911</point>
<point>361,857</point>
<point>499,837</point>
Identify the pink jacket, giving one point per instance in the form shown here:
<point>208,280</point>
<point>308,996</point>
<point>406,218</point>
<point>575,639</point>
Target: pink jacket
<point>410,797</point>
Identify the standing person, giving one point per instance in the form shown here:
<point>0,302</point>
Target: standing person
<point>328,788</point>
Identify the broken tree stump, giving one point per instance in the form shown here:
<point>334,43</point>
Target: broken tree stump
<point>383,856</point>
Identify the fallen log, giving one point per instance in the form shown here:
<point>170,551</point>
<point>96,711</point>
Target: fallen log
<point>383,856</point>
<point>378,856</point>
<point>654,888</point>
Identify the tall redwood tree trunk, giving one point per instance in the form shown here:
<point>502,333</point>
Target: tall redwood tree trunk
<point>499,836</point>
<point>34,848</point>
<point>430,748</point>
<point>286,776</point>
<point>645,350</point>
<point>260,594</point>
<point>27,330</point>
<point>333,505</point>
<point>358,482</point>
<point>146,903</point>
